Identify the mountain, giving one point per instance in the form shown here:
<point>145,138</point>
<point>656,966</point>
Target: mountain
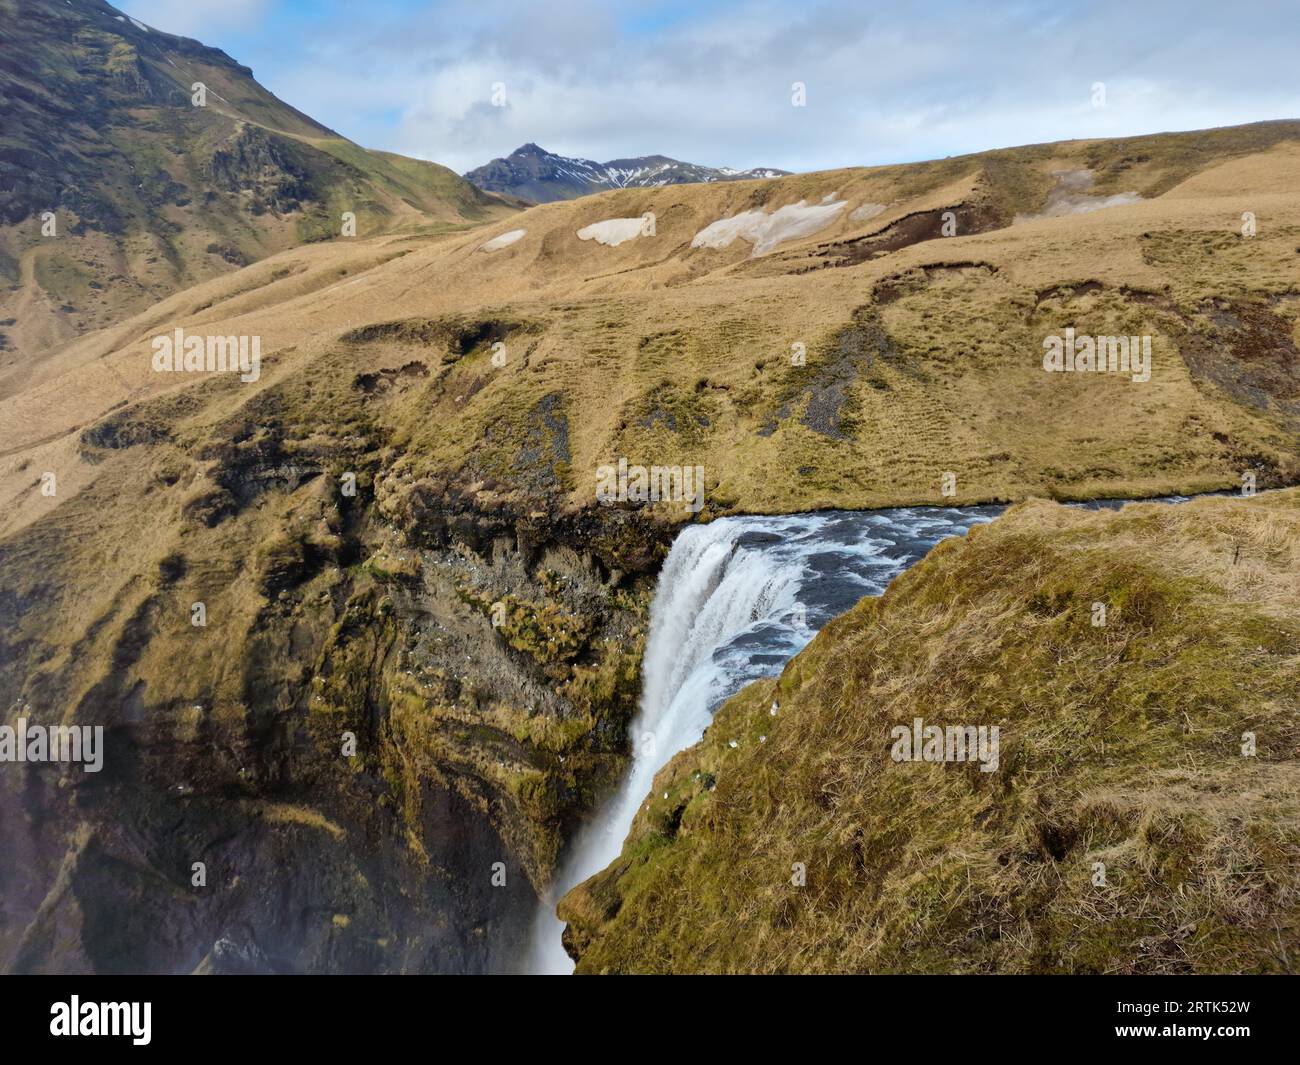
<point>474,619</point>
<point>534,174</point>
<point>150,193</point>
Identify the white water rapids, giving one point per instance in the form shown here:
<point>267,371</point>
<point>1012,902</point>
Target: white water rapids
<point>736,600</point>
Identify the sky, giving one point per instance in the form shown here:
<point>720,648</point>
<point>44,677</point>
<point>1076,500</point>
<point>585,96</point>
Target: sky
<point>713,81</point>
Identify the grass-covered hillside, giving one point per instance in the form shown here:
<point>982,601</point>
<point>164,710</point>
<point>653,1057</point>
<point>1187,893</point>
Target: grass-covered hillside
<point>1123,831</point>
<point>921,353</point>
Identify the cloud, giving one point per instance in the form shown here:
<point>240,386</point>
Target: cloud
<point>711,82</point>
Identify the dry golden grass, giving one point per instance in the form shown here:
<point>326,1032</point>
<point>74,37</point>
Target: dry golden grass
<point>629,333</point>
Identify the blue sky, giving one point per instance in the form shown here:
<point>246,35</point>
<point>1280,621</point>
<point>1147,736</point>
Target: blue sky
<point>710,82</point>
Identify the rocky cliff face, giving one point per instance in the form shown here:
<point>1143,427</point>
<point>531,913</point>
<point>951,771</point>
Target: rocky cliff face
<point>396,706</point>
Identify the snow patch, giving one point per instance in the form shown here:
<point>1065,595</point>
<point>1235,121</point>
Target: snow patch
<point>1071,196</point>
<point>503,241</point>
<point>867,210</point>
<point>139,25</point>
<point>766,231</point>
<point>614,231</point>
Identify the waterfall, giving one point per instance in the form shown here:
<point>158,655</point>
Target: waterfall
<point>736,600</point>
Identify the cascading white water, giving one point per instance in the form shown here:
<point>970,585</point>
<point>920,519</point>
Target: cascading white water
<point>737,599</point>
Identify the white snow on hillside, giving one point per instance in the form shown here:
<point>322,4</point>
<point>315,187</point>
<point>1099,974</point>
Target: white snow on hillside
<point>866,211</point>
<point>503,241</point>
<point>614,231</point>
<point>1071,196</point>
<point>766,231</point>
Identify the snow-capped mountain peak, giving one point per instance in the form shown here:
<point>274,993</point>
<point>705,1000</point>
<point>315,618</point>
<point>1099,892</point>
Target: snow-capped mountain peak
<point>532,173</point>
